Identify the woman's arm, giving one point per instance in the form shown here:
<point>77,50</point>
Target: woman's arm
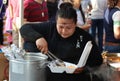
<point>31,32</point>
<point>116,24</point>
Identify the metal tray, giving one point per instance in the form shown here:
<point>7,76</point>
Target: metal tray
<point>111,57</point>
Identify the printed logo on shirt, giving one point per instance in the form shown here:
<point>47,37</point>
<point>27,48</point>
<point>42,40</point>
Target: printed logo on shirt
<point>78,44</point>
<point>79,41</point>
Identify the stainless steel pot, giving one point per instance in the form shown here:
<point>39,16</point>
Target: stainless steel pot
<point>32,68</point>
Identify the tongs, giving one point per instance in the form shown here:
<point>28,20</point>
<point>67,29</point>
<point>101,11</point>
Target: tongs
<point>57,61</point>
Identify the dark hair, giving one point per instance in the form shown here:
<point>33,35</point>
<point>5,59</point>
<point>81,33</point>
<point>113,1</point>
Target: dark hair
<point>66,5</point>
<point>67,11</point>
<point>82,13</point>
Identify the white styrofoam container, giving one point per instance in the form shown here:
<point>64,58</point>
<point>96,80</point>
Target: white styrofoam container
<point>70,67</point>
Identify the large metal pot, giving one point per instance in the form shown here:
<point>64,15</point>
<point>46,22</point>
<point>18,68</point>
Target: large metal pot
<point>32,68</point>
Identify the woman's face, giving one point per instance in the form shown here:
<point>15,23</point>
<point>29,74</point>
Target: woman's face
<point>65,27</point>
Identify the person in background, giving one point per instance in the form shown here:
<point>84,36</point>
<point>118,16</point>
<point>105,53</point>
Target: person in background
<point>98,8</point>
<point>85,5</point>
<point>35,11</point>
<point>52,9</point>
<point>64,39</point>
<point>112,27</point>
<point>84,23</point>
<point>12,20</point>
<point>3,4</point>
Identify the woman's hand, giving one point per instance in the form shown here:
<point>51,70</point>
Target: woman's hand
<point>42,45</point>
<point>78,70</point>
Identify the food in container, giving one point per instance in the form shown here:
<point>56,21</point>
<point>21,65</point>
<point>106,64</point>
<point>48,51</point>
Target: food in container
<point>68,68</point>
<point>113,59</point>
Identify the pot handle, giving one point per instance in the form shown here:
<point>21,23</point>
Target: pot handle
<point>43,64</point>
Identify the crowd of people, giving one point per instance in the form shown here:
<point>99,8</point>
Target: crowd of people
<point>64,27</point>
<point>91,17</point>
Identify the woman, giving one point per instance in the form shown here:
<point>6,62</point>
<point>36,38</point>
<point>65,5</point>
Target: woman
<point>65,40</point>
<point>35,11</point>
<point>112,27</point>
<point>98,8</point>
